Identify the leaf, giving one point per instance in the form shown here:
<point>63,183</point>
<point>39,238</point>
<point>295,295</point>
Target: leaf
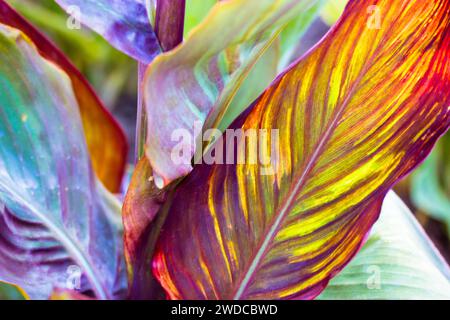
<point>355,115</point>
<point>57,223</point>
<point>142,203</point>
<point>64,294</point>
<point>197,81</point>
<point>106,141</point>
<point>10,292</point>
<point>427,192</point>
<point>398,261</point>
<point>293,32</point>
<point>124,23</point>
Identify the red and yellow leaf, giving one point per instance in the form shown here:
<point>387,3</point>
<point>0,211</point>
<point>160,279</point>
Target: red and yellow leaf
<point>65,294</point>
<point>355,115</point>
<point>106,141</point>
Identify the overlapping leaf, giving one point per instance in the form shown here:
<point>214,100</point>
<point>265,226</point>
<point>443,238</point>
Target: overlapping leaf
<point>106,142</point>
<point>143,201</point>
<point>124,23</point>
<point>398,261</point>
<point>56,220</point>
<point>197,81</point>
<point>355,115</point>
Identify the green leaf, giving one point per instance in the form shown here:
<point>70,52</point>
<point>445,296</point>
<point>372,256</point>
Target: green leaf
<point>398,261</point>
<point>10,292</point>
<point>196,11</point>
<point>332,10</point>
<point>428,191</point>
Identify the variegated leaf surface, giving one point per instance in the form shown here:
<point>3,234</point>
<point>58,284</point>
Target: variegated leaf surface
<point>355,114</point>
<point>106,141</point>
<point>59,227</point>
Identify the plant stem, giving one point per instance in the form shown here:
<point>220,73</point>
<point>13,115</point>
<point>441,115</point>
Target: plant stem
<point>169,23</point>
<point>169,27</point>
<point>141,125</point>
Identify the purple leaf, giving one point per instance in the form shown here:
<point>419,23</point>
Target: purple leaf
<point>124,23</point>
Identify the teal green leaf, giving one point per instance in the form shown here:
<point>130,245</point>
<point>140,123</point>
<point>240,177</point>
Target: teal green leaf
<point>428,184</point>
<point>10,292</point>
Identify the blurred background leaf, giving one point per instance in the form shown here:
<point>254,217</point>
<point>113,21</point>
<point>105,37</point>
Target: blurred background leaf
<point>196,10</point>
<point>332,10</point>
<point>10,292</point>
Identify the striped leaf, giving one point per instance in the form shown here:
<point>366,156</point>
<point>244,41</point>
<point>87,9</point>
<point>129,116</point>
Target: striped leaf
<point>355,115</point>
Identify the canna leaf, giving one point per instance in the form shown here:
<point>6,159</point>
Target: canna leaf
<point>197,81</point>
<point>124,23</point>
<point>106,141</point>
<point>398,261</point>
<point>57,223</point>
<point>355,115</point>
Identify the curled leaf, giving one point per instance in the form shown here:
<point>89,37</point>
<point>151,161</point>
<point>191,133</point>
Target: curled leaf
<point>106,141</point>
<point>58,227</point>
<point>355,115</point>
<point>124,23</point>
<point>196,82</point>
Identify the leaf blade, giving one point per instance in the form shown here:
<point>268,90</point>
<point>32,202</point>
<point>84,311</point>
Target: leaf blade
<point>285,235</point>
<point>123,23</point>
<point>106,141</point>
<point>54,215</point>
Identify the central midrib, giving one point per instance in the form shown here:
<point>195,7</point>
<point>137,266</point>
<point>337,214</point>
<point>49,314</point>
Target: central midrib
<point>268,236</point>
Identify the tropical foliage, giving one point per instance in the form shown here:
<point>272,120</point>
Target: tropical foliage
<point>353,116</point>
